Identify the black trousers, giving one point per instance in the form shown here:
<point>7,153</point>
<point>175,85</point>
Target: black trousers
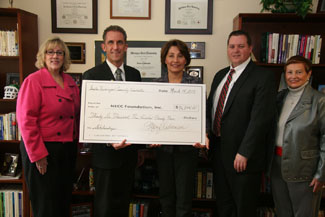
<point>176,171</point>
<point>236,193</point>
<point>113,190</point>
<point>50,194</point>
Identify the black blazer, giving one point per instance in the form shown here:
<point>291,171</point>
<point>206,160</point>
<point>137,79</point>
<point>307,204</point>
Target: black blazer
<point>248,117</point>
<point>103,156</point>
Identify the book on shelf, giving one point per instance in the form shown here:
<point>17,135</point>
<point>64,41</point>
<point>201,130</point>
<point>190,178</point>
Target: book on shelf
<point>8,127</point>
<point>11,200</point>
<point>139,208</point>
<point>9,43</point>
<point>203,184</point>
<point>277,48</point>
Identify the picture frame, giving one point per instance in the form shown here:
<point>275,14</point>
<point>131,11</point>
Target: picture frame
<point>191,17</point>
<point>77,52</point>
<point>81,210</point>
<point>195,71</point>
<point>124,9</point>
<point>12,78</point>
<point>10,164</point>
<point>100,55</point>
<point>142,55</point>
<point>77,77</point>
<point>197,49</point>
<point>70,16</point>
<point>321,6</point>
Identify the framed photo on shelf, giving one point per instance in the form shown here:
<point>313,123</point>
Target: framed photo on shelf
<point>195,71</point>
<point>126,9</point>
<point>70,16</point>
<point>321,6</point>
<point>197,49</point>
<point>10,164</point>
<point>12,78</point>
<point>81,210</point>
<point>77,52</point>
<point>188,16</point>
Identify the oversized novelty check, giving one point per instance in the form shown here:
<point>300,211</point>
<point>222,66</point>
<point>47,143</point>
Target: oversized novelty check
<point>142,112</point>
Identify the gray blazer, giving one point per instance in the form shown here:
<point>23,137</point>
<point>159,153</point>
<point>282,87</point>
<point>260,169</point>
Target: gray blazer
<point>303,155</point>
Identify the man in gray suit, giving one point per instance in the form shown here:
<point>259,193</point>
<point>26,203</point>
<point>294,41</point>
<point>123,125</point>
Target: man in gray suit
<point>113,164</point>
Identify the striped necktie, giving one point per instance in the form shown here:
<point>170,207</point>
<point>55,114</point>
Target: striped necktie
<point>220,106</point>
<point>118,75</point>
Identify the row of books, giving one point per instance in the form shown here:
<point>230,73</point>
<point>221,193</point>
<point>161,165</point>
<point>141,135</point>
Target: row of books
<point>8,127</point>
<point>204,184</point>
<point>278,48</point>
<point>11,203</point>
<point>138,209</point>
<point>9,43</point>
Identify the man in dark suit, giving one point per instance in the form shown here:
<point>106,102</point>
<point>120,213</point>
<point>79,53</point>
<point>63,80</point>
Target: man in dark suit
<point>240,108</point>
<point>114,164</point>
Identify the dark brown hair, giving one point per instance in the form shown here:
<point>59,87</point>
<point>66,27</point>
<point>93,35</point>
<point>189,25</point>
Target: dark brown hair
<point>239,33</point>
<point>182,48</point>
<point>299,59</point>
<point>116,29</point>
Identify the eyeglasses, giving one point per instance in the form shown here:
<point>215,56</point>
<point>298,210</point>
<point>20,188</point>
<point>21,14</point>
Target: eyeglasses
<point>51,52</point>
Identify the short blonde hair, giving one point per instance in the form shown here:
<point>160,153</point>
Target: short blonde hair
<point>48,45</point>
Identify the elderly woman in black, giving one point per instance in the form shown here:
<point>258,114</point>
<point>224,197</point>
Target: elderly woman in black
<point>177,164</point>
<point>298,170</point>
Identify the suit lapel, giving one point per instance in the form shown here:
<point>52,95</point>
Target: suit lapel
<point>218,79</point>
<point>302,104</point>
<point>238,84</point>
<point>106,73</point>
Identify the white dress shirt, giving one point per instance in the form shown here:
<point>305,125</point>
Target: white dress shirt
<point>113,69</point>
<point>238,71</point>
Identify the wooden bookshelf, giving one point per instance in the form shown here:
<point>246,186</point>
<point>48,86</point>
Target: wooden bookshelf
<point>25,24</point>
<point>258,23</point>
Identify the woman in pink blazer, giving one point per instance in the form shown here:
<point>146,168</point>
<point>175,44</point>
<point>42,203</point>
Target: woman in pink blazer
<point>48,108</point>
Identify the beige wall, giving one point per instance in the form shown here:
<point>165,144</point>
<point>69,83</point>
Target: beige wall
<point>152,30</point>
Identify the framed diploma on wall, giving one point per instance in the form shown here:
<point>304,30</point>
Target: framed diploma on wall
<point>70,16</point>
<point>130,9</point>
<point>188,16</point>
<point>142,55</point>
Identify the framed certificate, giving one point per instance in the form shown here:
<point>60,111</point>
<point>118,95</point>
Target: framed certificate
<point>130,9</point>
<point>188,16</point>
<point>142,55</point>
<point>70,16</point>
